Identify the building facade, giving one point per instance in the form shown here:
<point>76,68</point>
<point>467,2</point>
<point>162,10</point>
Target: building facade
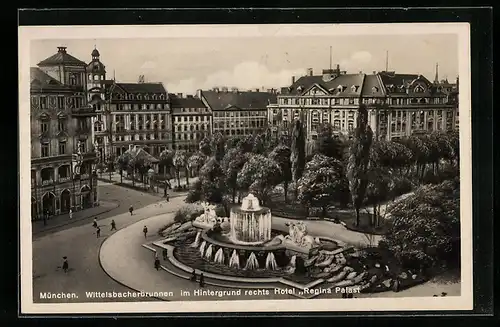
<point>191,121</point>
<point>237,113</point>
<point>134,114</point>
<point>62,154</point>
<point>398,104</point>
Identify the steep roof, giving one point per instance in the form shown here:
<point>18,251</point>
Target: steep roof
<point>341,85</point>
<point>187,102</point>
<point>223,100</point>
<point>41,81</point>
<point>95,66</point>
<point>141,154</point>
<point>373,86</point>
<point>142,87</point>
<point>61,58</point>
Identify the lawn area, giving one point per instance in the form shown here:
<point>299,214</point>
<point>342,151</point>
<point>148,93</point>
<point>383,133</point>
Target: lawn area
<point>294,210</point>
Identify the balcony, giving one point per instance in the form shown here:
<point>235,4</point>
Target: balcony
<point>47,182</point>
<point>84,112</point>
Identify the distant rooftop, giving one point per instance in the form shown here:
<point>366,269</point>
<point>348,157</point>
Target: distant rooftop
<point>61,58</point>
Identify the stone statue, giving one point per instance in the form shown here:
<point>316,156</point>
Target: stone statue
<point>297,233</point>
<point>208,216</point>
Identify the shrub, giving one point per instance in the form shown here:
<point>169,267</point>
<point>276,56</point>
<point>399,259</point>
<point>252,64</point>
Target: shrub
<point>178,189</point>
<point>188,213</point>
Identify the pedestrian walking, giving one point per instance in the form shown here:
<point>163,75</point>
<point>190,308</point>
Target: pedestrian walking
<point>94,224</point>
<point>167,197</point>
<point>202,280</point>
<point>65,265</point>
<point>131,210</point>
<point>165,254</point>
<point>157,263</point>
<point>113,225</point>
<point>98,232</point>
<point>193,276</point>
<point>145,231</point>
<point>70,214</point>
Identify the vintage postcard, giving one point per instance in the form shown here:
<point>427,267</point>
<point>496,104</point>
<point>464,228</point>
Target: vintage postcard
<point>245,168</point>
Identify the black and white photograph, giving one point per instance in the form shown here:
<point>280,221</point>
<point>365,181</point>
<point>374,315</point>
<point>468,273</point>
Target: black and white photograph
<point>244,168</point>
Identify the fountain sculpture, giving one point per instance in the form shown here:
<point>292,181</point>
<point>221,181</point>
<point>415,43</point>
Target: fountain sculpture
<point>250,224</point>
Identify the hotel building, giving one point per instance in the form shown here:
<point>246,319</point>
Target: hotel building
<point>135,114</point>
<point>237,113</point>
<point>192,121</point>
<point>398,104</point>
<point>62,154</point>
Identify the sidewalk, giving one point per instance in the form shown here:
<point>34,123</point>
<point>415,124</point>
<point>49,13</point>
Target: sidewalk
<point>62,220</point>
<point>127,182</point>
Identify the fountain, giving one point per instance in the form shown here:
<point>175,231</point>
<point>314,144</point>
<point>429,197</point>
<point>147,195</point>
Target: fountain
<point>250,224</point>
<point>202,248</point>
<point>219,256</point>
<point>234,261</point>
<point>271,262</point>
<point>252,262</point>
<point>196,242</point>
<point>290,268</point>
<point>208,252</point>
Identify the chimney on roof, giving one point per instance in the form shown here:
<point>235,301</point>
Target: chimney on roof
<point>189,95</point>
<point>198,93</point>
<point>257,90</point>
<point>374,72</point>
<point>179,95</point>
<point>310,72</point>
<point>293,79</point>
<point>61,49</point>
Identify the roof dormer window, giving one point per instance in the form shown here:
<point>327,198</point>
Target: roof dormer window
<point>154,96</point>
<point>419,89</point>
<point>162,96</point>
<point>146,97</point>
<point>300,88</point>
<point>139,97</point>
<point>374,89</point>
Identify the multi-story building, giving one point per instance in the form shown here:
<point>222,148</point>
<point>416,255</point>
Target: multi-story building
<point>398,104</point>
<point>62,155</point>
<point>136,114</point>
<point>451,90</point>
<point>237,113</point>
<point>192,121</point>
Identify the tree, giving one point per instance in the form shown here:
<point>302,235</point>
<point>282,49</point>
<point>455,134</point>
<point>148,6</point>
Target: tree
<point>123,162</point>
<point>210,186</point>
<point>281,154</point>
<point>166,160</point>
<point>328,145</point>
<point>322,183</point>
<point>246,144</point>
<point>359,156</point>
<point>179,161</point>
<point>425,226</point>
<point>232,163</point>
<point>259,144</point>
<point>298,150</point>
<point>205,147</point>
<point>259,175</point>
<point>196,161</point>
<point>217,145</point>
<point>379,181</point>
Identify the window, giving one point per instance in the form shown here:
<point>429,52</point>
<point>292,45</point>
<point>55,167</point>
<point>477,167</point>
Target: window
<point>43,102</point>
<point>72,79</point>
<point>60,102</point>
<point>61,125</point>
<point>62,147</point>
<point>45,150</point>
<point>44,126</point>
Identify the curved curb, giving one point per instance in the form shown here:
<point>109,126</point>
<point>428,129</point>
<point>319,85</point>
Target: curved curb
<point>116,280</point>
<point>113,278</point>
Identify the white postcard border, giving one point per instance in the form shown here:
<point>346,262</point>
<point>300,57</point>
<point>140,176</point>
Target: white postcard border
<point>462,302</point>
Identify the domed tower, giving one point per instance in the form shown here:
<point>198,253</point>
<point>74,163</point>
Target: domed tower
<point>96,75</point>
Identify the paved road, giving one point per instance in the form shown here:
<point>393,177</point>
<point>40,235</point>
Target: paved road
<point>79,243</point>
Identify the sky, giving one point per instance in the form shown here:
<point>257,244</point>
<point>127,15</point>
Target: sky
<point>184,65</point>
